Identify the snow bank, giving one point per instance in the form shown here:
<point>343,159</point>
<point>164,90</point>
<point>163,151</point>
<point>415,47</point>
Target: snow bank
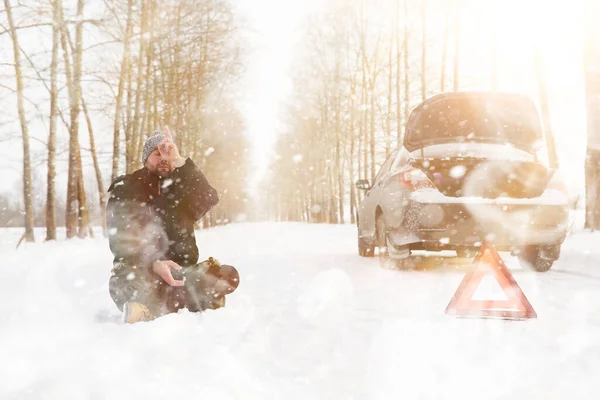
<point>310,319</point>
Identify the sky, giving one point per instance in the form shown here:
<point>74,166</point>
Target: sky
<point>275,27</point>
<point>556,26</point>
<point>273,34</point>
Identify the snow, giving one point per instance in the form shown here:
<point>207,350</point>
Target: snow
<point>458,171</point>
<point>310,320</point>
<point>478,150</point>
<point>434,196</point>
<point>489,289</point>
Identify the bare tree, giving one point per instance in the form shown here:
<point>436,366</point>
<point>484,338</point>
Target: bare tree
<point>424,52</point>
<point>545,107</point>
<point>51,195</point>
<point>592,100</point>
<point>29,214</point>
<point>102,197</point>
<point>445,47</point>
<point>119,100</point>
<point>133,145</point>
<point>494,56</point>
<point>398,74</point>
<point>76,211</point>
<point>456,45</point>
<point>406,68</point>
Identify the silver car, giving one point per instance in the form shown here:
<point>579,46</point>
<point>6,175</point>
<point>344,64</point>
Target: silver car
<point>472,169</point>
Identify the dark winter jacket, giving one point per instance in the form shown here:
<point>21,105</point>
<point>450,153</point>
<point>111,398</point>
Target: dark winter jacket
<point>152,218</point>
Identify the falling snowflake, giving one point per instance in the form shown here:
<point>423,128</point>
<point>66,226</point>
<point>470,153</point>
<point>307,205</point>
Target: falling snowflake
<point>297,158</point>
<point>458,171</point>
<point>490,237</point>
<point>209,151</point>
<point>79,283</point>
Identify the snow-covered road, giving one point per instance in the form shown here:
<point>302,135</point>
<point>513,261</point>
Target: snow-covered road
<point>310,320</point>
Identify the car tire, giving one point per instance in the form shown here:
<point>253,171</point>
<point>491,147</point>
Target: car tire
<point>365,249</point>
<point>531,257</point>
<point>385,261</point>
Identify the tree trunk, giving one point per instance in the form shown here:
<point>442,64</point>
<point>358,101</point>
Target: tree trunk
<point>340,174</point>
<point>545,108</point>
<point>352,137</point>
<point>494,56</point>
<point>51,191</point>
<point>82,209</point>
<point>456,46</point>
<point>406,69</point>
<point>96,168</point>
<point>128,122</point>
<point>364,120</point>
<point>372,129</point>
<point>27,192</point>
<point>339,171</point>
<point>592,100</point>
<point>148,90</point>
<point>445,48</point>
<point>71,206</point>
<point>73,83</point>
<point>424,54</point>
<point>390,88</point>
<point>120,90</point>
<point>359,149</point>
<point>136,134</point>
<point>398,76</point>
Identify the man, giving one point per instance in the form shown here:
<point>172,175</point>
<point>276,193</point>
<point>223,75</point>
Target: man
<point>150,217</point>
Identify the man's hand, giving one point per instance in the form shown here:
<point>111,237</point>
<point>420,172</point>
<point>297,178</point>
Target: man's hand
<point>169,151</point>
<point>163,269</point>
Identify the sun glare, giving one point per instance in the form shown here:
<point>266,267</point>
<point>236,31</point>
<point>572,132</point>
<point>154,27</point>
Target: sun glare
<point>520,26</point>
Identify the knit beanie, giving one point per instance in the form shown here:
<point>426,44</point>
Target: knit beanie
<point>151,144</point>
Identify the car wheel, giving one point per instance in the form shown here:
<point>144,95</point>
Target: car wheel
<point>365,249</point>
<point>385,261</point>
<point>531,257</point>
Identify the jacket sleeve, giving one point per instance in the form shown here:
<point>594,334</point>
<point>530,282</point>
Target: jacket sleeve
<point>192,191</point>
<point>135,236</point>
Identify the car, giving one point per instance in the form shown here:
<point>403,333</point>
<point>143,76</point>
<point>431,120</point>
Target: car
<point>473,167</point>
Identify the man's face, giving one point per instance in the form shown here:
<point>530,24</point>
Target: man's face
<point>157,165</point>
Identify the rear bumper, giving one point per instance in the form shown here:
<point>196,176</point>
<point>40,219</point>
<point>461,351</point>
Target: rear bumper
<point>507,226</point>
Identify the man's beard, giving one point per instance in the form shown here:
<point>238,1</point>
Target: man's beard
<point>163,169</point>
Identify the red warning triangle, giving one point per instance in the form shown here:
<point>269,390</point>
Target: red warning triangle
<point>516,307</point>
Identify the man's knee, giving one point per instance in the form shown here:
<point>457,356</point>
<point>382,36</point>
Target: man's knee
<point>128,283</point>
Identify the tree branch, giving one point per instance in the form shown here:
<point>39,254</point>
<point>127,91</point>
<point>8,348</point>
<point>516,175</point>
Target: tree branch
<point>25,27</point>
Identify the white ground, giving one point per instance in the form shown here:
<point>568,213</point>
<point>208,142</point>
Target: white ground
<point>310,320</point>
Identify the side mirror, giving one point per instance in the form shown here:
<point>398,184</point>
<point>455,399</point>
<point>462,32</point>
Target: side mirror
<point>363,184</point>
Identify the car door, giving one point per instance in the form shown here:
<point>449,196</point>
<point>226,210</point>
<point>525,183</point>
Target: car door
<point>366,210</point>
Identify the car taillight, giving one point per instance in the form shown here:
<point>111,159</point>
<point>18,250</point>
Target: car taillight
<point>413,178</point>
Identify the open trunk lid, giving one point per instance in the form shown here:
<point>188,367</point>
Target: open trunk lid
<point>475,117</point>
